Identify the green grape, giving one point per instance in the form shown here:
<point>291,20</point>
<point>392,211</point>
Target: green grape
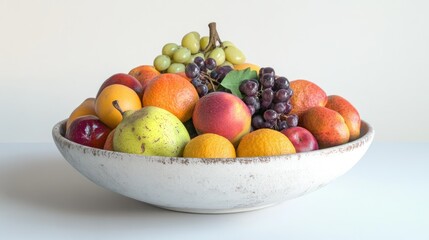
<point>169,49</point>
<point>227,44</point>
<point>234,55</point>
<point>204,41</point>
<point>218,55</point>
<point>176,67</point>
<point>192,58</point>
<point>191,41</point>
<point>181,55</point>
<point>161,62</point>
<point>196,34</point>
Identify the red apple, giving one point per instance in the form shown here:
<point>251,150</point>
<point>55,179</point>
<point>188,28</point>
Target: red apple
<point>301,138</point>
<point>123,79</point>
<point>88,130</point>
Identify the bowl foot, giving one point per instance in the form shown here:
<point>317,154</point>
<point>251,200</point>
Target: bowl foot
<point>216,211</point>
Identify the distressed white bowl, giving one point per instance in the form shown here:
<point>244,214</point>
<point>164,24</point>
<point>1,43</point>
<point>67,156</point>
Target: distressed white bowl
<point>213,185</point>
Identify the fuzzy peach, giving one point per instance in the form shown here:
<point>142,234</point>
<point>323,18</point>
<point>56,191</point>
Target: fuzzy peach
<point>144,74</point>
<point>306,95</point>
<point>348,111</point>
<point>224,114</point>
<point>326,125</point>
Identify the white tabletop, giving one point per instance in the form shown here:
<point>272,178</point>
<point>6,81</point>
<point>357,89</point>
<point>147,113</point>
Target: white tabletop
<point>385,196</point>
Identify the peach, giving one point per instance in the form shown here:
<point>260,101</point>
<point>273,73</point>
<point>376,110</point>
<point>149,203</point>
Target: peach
<point>124,79</point>
<point>348,112</point>
<point>144,74</point>
<point>87,107</point>
<point>224,114</point>
<point>326,125</point>
<point>306,95</point>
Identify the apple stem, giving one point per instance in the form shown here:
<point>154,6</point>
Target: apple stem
<point>213,38</point>
<point>115,104</point>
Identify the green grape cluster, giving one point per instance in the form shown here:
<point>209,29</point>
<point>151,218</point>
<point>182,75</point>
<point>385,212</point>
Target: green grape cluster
<point>175,57</point>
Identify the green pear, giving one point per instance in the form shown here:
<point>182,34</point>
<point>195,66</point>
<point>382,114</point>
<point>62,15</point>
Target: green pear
<point>151,131</point>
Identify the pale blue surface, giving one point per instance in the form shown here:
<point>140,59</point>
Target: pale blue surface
<point>385,196</point>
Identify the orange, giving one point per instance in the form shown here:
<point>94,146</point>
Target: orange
<point>264,142</point>
<point>87,107</point>
<point>247,65</point>
<point>209,145</point>
<point>127,99</point>
<point>144,74</point>
<point>173,93</point>
<point>306,95</point>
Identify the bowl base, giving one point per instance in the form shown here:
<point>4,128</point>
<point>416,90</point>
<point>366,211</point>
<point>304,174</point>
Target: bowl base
<point>216,211</point>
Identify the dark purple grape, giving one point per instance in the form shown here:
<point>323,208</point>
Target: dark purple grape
<point>202,89</point>
<point>266,70</point>
<point>210,63</point>
<point>280,107</point>
<point>251,109</point>
<point>268,124</point>
<point>292,120</point>
<point>227,69</point>
<point>257,105</point>
<point>255,80</point>
<point>270,115</point>
<point>265,104</point>
<point>196,81</point>
<point>248,88</point>
<point>242,86</point>
<point>288,107</point>
<point>267,95</point>
<point>282,125</point>
<point>250,100</point>
<point>267,81</point>
<point>215,74</point>
<point>257,121</point>
<point>192,70</point>
<point>199,61</point>
<point>282,95</point>
<point>281,83</point>
<point>221,72</point>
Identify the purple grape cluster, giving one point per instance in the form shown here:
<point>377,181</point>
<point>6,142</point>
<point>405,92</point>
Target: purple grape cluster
<point>205,75</point>
<point>268,99</point>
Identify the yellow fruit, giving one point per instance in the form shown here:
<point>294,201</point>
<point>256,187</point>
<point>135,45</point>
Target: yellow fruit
<point>247,65</point>
<point>87,107</point>
<point>126,97</point>
<point>264,142</point>
<point>209,145</point>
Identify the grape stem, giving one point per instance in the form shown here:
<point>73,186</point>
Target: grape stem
<point>213,82</point>
<point>213,38</point>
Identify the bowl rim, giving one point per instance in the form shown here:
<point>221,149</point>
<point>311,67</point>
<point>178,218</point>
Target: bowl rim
<point>367,135</point>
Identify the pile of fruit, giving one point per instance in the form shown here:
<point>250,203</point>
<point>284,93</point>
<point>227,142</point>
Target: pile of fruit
<point>201,99</point>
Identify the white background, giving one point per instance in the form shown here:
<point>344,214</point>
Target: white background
<point>54,54</point>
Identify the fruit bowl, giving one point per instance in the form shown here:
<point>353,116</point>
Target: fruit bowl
<point>222,185</point>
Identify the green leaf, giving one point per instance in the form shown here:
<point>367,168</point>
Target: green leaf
<point>233,79</point>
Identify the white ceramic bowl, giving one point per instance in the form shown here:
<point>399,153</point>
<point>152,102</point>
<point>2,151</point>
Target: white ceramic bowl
<point>213,185</point>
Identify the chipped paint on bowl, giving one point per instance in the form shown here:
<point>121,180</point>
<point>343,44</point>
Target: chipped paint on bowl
<point>221,185</point>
